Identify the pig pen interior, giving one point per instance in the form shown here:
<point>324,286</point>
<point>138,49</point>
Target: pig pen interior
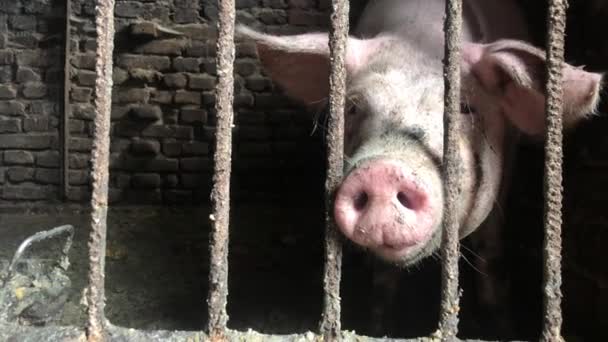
<point>157,256</point>
<point>157,264</point>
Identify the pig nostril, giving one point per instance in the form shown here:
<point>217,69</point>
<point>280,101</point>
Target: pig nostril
<point>361,201</point>
<point>404,200</point>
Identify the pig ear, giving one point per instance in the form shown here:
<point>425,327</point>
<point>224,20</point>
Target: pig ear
<point>515,72</point>
<point>300,63</point>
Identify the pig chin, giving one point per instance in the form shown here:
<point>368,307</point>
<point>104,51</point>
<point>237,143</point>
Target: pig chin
<point>389,205</point>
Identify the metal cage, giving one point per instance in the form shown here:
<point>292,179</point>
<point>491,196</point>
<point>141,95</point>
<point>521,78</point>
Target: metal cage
<point>99,329</point>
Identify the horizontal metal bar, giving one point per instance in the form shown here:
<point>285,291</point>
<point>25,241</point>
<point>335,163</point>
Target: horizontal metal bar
<point>14,332</point>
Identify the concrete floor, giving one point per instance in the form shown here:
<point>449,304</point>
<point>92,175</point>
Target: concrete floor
<point>157,267</point>
<point>157,264</point>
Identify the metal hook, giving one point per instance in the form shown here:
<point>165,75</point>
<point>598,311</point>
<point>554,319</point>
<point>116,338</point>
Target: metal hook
<point>43,235</point>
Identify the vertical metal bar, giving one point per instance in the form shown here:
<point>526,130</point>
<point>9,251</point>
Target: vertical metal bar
<point>104,23</point>
<point>220,195</point>
<point>338,35</point>
<point>448,324</point>
<point>65,123</point>
<point>556,26</point>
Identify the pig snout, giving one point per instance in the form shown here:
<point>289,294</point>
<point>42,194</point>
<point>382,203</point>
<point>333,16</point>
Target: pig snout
<point>383,206</point>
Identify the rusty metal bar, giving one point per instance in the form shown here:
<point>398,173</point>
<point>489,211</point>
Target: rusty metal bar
<point>338,35</point>
<point>220,195</point>
<point>65,119</point>
<point>556,27</point>
<point>95,297</point>
<point>450,296</point>
<point>15,332</point>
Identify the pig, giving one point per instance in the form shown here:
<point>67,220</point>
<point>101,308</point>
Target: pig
<point>390,200</point>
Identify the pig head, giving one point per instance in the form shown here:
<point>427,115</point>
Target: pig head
<point>391,198</point>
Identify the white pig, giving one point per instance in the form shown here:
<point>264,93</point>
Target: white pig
<point>391,200</point>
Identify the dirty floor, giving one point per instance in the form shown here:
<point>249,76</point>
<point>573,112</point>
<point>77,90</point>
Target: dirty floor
<point>157,268</point>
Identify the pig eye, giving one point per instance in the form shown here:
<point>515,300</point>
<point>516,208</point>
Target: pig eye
<point>352,110</point>
<point>466,108</point>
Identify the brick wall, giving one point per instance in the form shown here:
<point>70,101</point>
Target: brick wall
<point>30,79</point>
<point>163,118</point>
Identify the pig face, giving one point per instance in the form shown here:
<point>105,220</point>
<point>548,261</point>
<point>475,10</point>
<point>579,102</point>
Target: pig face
<point>391,199</point>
